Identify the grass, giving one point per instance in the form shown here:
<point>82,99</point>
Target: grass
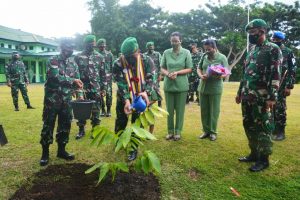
<point>191,168</point>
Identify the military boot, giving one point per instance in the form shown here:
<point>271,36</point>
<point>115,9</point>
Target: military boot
<point>132,155</point>
<point>260,164</point>
<point>62,153</point>
<point>250,158</point>
<point>280,135</point>
<point>108,114</point>
<point>17,108</point>
<point>191,98</point>
<point>45,155</point>
<point>29,106</point>
<point>81,133</point>
<point>103,112</point>
<point>159,103</point>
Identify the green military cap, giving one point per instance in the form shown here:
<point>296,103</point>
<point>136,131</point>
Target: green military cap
<point>129,46</point>
<point>101,41</point>
<point>89,39</point>
<point>14,53</point>
<point>257,23</point>
<point>149,44</point>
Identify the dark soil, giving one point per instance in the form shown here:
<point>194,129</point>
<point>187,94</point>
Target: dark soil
<point>64,182</point>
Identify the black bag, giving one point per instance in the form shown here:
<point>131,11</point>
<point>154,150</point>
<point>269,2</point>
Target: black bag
<point>3,139</point>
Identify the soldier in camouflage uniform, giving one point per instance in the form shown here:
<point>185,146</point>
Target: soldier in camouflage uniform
<point>288,78</point>
<point>258,93</point>
<point>193,77</point>
<point>109,58</point>
<point>17,79</point>
<point>156,57</point>
<point>92,74</point>
<point>62,80</point>
<point>127,79</point>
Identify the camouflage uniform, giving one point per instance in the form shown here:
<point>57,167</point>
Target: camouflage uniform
<point>16,75</point>
<point>58,94</point>
<point>156,57</point>
<point>123,92</point>
<point>109,58</point>
<point>193,77</point>
<point>91,69</point>
<point>259,84</point>
<point>288,72</point>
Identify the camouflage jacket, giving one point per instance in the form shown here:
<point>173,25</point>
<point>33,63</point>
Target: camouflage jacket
<point>16,72</point>
<point>261,75</point>
<point>149,86</point>
<point>92,73</point>
<point>156,57</point>
<point>108,64</point>
<point>288,69</point>
<point>196,57</point>
<point>59,79</point>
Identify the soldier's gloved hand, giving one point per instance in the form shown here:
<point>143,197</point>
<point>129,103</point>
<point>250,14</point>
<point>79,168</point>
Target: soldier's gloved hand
<point>9,84</point>
<point>78,83</point>
<point>237,99</point>
<point>287,92</point>
<point>127,108</point>
<point>270,105</point>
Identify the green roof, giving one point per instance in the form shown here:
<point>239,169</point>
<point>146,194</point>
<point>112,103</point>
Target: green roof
<point>24,37</point>
<point>6,51</point>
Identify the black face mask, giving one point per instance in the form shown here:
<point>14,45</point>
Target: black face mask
<point>253,39</point>
<point>89,48</point>
<point>278,43</point>
<point>68,53</point>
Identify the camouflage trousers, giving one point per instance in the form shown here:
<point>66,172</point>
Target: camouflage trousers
<point>15,93</point>
<point>108,101</point>
<point>62,111</point>
<point>95,118</point>
<point>280,112</point>
<point>193,86</point>
<point>122,118</point>
<point>258,125</point>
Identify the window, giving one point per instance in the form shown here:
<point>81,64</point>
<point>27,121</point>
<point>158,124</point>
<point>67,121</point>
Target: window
<point>48,49</point>
<point>43,48</point>
<point>17,47</point>
<point>9,46</point>
<point>2,45</point>
<point>2,66</point>
<point>30,47</point>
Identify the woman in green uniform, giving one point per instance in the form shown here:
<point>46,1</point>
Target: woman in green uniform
<point>176,63</point>
<point>210,89</point>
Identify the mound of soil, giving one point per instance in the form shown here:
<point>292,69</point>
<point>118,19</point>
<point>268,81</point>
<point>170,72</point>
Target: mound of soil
<point>68,181</point>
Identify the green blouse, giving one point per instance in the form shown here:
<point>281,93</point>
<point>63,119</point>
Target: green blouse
<point>174,62</point>
<point>212,85</point>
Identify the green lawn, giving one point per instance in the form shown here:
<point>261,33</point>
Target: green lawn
<point>215,162</point>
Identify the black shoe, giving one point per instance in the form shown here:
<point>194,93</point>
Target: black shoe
<point>108,114</point>
<point>212,137</point>
<point>197,100</point>
<point>279,137</point>
<point>103,112</point>
<point>81,133</point>
<point>204,135</point>
<point>17,109</point>
<point>45,155</point>
<point>132,155</point>
<point>62,153</point>
<point>260,165</point>
<point>159,104</point>
<point>249,158</point>
<point>30,107</point>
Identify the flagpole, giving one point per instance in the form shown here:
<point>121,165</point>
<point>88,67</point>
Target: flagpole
<point>248,23</point>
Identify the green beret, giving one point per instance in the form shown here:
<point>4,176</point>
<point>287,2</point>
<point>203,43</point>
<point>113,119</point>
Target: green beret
<point>89,39</point>
<point>149,44</point>
<point>129,46</point>
<point>257,23</point>
<point>101,41</point>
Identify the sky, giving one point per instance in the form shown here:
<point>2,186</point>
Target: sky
<point>65,18</point>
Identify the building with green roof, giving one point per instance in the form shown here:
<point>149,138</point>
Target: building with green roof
<point>35,50</point>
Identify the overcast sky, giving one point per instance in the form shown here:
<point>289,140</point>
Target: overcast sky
<point>64,18</point>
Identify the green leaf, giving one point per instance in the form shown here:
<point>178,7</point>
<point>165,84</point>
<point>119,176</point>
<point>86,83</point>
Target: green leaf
<point>108,138</point>
<point>138,122</point>
<point>155,112</point>
<point>103,172</point>
<point>125,137</point>
<point>154,161</point>
<point>155,107</point>
<point>144,121</point>
<point>119,145</point>
<point>138,165</point>
<point>122,166</point>
<point>95,139</point>
<point>149,116</point>
<point>135,141</point>
<point>93,168</point>
<point>145,164</point>
<point>142,133</point>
